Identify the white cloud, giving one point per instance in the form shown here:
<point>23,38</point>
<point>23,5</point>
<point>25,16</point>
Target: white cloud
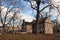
<point>3,11</point>
<point>33,3</point>
<point>58,18</point>
<point>55,0</point>
<point>10,14</point>
<point>28,18</point>
<point>54,12</point>
<point>42,6</point>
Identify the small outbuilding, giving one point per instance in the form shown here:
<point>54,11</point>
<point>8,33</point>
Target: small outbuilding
<point>48,26</point>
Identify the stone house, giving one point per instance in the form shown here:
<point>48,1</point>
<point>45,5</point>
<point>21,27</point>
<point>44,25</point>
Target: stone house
<point>29,27</point>
<point>26,27</point>
<point>48,26</point>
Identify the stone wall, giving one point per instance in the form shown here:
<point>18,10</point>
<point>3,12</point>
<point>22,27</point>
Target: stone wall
<point>48,26</point>
<point>29,28</point>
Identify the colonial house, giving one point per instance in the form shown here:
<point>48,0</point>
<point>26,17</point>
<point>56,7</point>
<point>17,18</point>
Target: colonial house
<point>48,26</point>
<point>29,27</point>
<point>45,27</point>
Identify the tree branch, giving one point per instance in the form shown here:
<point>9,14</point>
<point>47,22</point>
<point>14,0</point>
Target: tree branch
<point>45,7</point>
<point>7,14</point>
<point>32,5</point>
<point>0,16</point>
<point>11,18</point>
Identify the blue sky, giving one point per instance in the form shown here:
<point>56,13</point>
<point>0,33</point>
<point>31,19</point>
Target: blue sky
<point>23,6</point>
<point>27,10</point>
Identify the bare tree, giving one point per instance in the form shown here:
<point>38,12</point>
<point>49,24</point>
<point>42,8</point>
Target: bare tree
<point>36,7</point>
<point>10,4</point>
<point>5,18</point>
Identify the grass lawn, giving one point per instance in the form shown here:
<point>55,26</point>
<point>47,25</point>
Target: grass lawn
<point>29,37</point>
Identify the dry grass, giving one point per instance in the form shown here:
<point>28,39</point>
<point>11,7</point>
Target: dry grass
<point>29,37</point>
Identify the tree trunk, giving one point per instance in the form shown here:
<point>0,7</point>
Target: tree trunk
<point>4,30</point>
<point>13,27</point>
<point>37,17</point>
<point>23,26</point>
